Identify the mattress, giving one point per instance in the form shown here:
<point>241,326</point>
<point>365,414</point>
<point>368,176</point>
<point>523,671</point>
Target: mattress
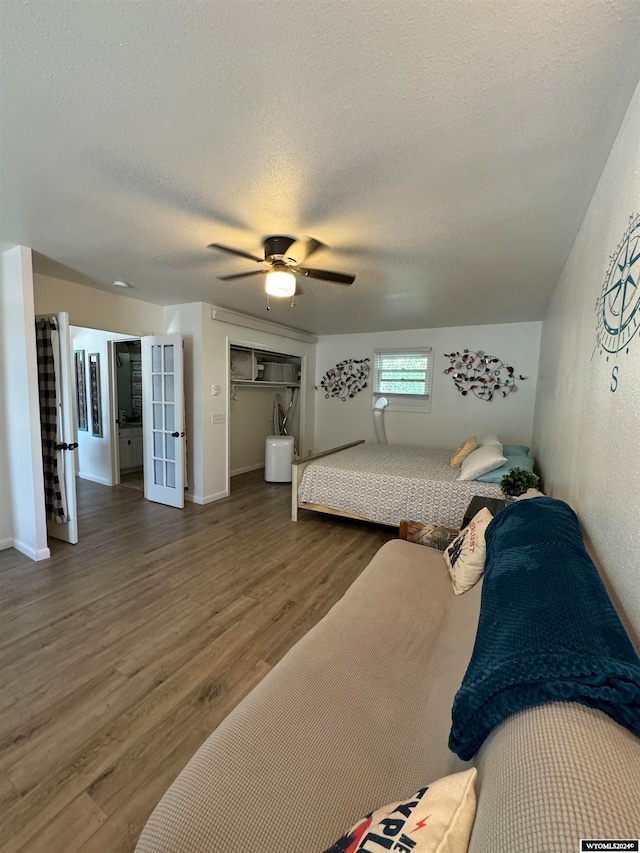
<point>388,483</point>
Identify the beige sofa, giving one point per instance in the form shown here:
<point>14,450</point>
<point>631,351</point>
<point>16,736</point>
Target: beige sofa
<point>357,714</point>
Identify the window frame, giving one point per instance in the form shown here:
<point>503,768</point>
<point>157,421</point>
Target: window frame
<point>404,402</point>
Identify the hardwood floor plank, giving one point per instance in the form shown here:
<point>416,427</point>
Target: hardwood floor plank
<point>193,719</point>
<point>120,655</point>
<point>68,831</point>
<point>8,793</point>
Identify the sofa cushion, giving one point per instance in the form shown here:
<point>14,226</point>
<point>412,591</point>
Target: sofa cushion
<point>355,715</point>
<point>554,774</point>
<point>436,819</point>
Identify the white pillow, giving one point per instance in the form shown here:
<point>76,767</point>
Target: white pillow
<point>492,441</point>
<point>480,461</point>
<point>466,554</point>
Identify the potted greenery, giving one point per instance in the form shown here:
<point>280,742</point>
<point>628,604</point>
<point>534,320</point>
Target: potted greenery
<point>516,483</point>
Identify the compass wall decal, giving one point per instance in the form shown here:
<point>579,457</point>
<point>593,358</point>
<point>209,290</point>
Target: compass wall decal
<point>618,306</point>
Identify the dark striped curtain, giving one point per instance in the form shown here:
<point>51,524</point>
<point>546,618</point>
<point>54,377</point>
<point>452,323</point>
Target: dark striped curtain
<point>54,496</point>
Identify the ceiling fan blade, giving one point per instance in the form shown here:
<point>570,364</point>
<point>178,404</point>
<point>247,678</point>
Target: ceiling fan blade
<point>327,275</point>
<point>235,252</point>
<point>242,275</point>
<point>299,251</point>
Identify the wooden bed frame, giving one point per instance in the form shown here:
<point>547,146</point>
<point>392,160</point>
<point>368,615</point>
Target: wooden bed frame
<point>297,469</point>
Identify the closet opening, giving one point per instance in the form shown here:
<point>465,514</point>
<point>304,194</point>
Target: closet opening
<point>265,412</point>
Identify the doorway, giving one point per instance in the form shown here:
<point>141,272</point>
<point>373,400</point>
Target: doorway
<point>129,413</point>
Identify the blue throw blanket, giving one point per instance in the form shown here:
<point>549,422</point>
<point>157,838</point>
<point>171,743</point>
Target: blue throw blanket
<point>548,631</point>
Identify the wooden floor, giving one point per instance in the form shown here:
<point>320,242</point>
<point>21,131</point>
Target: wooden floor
<point>121,654</point>
<point>133,479</point>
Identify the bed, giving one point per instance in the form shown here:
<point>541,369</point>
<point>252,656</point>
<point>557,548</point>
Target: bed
<point>385,483</point>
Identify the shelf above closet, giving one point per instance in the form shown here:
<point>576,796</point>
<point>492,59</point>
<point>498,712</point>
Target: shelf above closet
<point>264,383</point>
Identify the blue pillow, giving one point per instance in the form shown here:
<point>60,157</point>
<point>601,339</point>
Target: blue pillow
<point>512,462</point>
<point>515,450</point>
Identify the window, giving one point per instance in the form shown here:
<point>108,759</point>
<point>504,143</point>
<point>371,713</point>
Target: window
<point>404,376</point>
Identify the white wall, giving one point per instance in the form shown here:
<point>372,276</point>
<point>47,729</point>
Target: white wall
<point>94,455</point>
<point>97,309</point>
<point>6,518</point>
<point>453,417</point>
<point>206,364</point>
<point>20,417</point>
<point>587,436</point>
<point>250,422</point>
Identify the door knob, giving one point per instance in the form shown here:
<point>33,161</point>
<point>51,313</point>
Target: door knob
<point>62,446</point>
<point>73,446</point>
<point>181,435</point>
<point>176,434</point>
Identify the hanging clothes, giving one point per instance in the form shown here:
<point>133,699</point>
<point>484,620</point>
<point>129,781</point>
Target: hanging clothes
<point>52,462</point>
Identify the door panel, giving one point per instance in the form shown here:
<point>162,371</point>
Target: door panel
<point>68,531</point>
<point>163,421</point>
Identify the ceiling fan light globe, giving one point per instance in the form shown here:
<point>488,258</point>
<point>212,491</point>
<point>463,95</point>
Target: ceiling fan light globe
<point>281,283</point>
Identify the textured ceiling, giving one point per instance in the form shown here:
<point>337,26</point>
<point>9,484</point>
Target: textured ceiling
<point>446,151</point>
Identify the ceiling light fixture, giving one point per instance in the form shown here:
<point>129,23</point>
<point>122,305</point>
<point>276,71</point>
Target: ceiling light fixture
<point>281,282</point>
<point>120,283</point>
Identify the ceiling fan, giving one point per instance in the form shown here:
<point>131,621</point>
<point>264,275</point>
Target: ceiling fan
<point>284,256</point>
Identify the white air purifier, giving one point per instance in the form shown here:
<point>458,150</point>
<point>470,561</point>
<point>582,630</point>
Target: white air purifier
<point>278,458</point>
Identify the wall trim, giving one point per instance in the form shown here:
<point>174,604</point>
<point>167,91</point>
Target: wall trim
<point>246,469</point>
<point>225,316</point>
<point>6,543</point>
<point>103,481</point>
<point>33,553</point>
<point>207,499</point>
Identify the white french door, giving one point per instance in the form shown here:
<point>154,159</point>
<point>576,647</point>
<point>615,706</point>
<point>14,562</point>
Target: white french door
<point>67,439</point>
<point>163,419</point>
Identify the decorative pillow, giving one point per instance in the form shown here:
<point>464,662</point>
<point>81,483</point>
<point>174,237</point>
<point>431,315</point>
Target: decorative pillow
<point>492,441</point>
<point>512,462</point>
<point>480,461</point>
<point>427,534</point>
<point>465,556</point>
<point>463,451</point>
<point>515,450</point>
<point>438,818</point>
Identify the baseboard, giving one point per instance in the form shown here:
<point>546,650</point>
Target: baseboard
<point>6,543</point>
<point>33,553</point>
<point>246,469</point>
<point>103,481</point>
<point>207,499</point>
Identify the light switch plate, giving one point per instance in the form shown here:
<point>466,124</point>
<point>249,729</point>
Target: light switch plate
<point>217,419</point>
